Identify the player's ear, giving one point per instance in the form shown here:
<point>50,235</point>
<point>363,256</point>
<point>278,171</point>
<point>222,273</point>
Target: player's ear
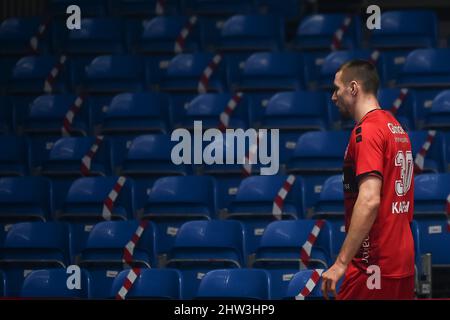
<point>353,88</point>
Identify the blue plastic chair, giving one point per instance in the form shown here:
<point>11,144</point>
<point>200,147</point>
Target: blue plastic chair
<point>201,246</point>
<point>53,283</point>
<point>152,284</point>
<point>299,281</point>
<point>247,284</point>
<point>439,115</point>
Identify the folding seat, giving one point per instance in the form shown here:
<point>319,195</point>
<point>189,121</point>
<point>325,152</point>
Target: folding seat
<point>175,200</point>
<point>201,246</point>
<point>315,37</point>
<point>208,109</point>
<point>435,158</point>
<point>427,71</point>
<point>113,246</point>
<point>149,158</point>
<point>14,158</point>
<point>88,8</point>
<point>335,59</point>
<point>317,156</point>
<point>294,113</point>
<point>221,8</point>
<point>16,36</point>
<point>151,284</point>
<point>439,115</point>
<point>267,73</point>
<point>255,200</point>
<point>53,284</point>
<point>281,246</point>
<point>299,282</point>
<point>33,245</point>
<point>398,36</point>
<point>93,199</point>
<point>430,201</point>
<point>35,75</point>
<point>330,206</point>
<point>110,74</point>
<point>25,199</point>
<point>145,8</point>
<point>228,284</point>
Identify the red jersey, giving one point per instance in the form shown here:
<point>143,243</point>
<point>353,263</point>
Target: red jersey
<point>379,146</point>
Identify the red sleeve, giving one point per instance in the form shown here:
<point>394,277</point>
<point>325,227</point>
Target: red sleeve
<point>369,150</point>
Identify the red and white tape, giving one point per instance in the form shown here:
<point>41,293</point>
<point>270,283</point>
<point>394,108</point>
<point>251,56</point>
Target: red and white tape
<point>131,277</point>
<point>305,251</point>
<point>447,209</point>
<point>250,158</point>
<point>128,251</point>
<point>108,204</point>
<point>181,39</point>
<point>34,41</point>
<point>160,6</point>
<point>278,203</point>
<point>310,284</point>
<point>48,85</point>
<point>399,100</point>
<point>70,115</point>
<point>224,120</point>
<point>86,161</point>
<point>207,73</point>
<point>420,156</point>
<point>339,34</point>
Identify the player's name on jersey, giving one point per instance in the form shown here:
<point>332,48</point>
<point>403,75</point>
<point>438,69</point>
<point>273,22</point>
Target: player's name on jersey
<point>400,207</point>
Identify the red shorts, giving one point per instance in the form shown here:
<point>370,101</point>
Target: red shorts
<point>355,287</point>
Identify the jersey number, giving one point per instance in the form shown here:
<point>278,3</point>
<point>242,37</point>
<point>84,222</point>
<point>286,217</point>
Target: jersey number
<point>406,163</point>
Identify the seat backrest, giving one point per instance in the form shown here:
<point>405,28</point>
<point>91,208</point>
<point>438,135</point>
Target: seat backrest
<point>220,240</point>
<point>397,32</point>
<point>439,115</point>
<point>331,200</point>
<point>56,283</point>
<point>151,284</point>
<point>183,195</point>
<point>435,158</point>
<point>299,281</point>
<point>251,284</point>
<point>430,194</point>
<point>256,195</point>
<point>107,241</point>
<point>25,198</point>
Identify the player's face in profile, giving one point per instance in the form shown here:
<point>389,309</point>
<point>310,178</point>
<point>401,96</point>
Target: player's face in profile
<point>341,96</point>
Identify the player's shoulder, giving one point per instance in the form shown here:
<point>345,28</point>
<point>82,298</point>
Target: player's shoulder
<point>379,121</point>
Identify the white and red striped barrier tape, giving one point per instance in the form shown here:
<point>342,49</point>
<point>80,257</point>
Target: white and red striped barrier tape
<point>305,251</point>
<point>420,156</point>
<point>70,115</point>
<point>224,120</point>
<point>278,203</point>
<point>310,284</point>
<point>86,161</point>
<point>109,202</point>
<point>336,43</point>
<point>399,101</point>
<point>184,33</point>
<point>208,72</point>
<point>48,85</point>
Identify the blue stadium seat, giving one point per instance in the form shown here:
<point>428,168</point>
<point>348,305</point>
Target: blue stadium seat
<point>144,8</point>
<point>279,251</point>
<point>88,7</point>
<point>201,246</point>
<point>53,284</point>
<point>16,34</point>
<point>330,206</point>
<point>14,158</point>
<point>439,115</point>
<point>294,113</point>
<point>25,199</point>
<point>137,113</point>
<point>335,59</point>
<point>109,74</point>
<point>175,200</point>
<point>47,112</point>
<point>149,158</point>
<point>152,284</point>
<point>104,250</point>
<point>83,206</point>
<point>428,72</point>
<point>30,246</point>
<point>299,281</point>
<point>208,108</point>
<point>397,36</point>
<point>435,159</point>
<point>253,205</point>
<point>30,73</point>
<point>247,284</point>
<point>317,156</point>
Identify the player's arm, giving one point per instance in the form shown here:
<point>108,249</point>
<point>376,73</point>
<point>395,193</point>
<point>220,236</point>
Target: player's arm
<point>364,214</point>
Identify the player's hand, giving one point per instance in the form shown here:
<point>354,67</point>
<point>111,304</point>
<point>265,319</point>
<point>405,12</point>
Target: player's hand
<point>331,277</point>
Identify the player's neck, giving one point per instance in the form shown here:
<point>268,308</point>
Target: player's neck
<point>364,106</point>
